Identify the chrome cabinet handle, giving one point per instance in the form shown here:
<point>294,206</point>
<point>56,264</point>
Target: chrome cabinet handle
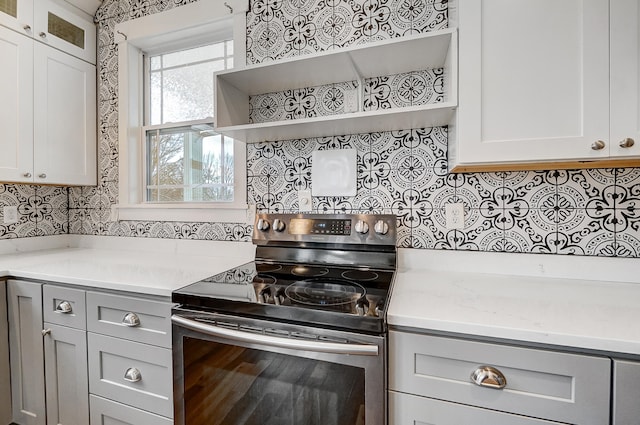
<point>487,376</point>
<point>43,35</point>
<point>46,332</point>
<point>42,176</point>
<point>627,142</point>
<point>27,27</point>
<point>131,320</point>
<point>274,341</point>
<point>132,375</point>
<point>598,145</point>
<point>64,307</point>
<point>27,175</point>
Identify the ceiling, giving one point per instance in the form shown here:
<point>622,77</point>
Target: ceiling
<point>89,6</point>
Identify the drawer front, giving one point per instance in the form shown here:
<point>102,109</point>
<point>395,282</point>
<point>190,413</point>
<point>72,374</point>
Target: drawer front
<point>107,412</point>
<point>116,315</point>
<point>64,306</point>
<point>111,358</point>
<point>407,409</point>
<point>544,384</point>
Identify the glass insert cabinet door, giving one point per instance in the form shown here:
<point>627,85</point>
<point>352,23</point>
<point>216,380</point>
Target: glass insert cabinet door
<point>17,15</point>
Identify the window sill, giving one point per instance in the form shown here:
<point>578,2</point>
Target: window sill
<point>190,213</point>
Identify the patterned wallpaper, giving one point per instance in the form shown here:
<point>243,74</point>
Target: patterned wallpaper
<point>584,212</point>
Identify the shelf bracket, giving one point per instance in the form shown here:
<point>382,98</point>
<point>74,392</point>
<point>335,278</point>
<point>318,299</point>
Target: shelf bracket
<point>360,82</point>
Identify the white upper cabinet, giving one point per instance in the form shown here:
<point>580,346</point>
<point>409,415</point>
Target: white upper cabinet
<point>65,118</point>
<point>17,15</point>
<point>535,83</point>
<point>48,89</point>
<point>16,107</point>
<point>53,22</point>
<point>625,78</point>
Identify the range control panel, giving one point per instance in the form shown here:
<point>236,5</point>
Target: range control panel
<point>377,229</point>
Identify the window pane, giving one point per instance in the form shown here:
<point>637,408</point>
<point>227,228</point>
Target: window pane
<point>155,94</point>
<point>189,165</point>
<point>187,93</point>
<point>229,46</point>
<point>156,62</point>
<point>198,54</point>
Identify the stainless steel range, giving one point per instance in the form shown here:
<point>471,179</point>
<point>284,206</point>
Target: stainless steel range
<point>297,336</point>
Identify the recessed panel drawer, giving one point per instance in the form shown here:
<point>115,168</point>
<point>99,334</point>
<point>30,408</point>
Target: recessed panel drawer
<point>107,412</point>
<point>544,384</point>
<point>131,318</point>
<point>139,375</point>
<point>64,306</point>
<point>408,409</point>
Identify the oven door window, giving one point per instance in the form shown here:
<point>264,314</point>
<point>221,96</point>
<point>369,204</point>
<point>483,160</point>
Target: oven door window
<point>232,385</point>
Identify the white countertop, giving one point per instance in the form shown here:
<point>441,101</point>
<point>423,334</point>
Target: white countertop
<point>583,302</point>
<point>147,267</point>
<point>587,302</point>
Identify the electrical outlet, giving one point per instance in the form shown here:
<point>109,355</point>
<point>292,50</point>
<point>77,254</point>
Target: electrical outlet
<point>350,101</point>
<point>113,213</point>
<point>10,213</point>
<point>251,214</point>
<point>305,202</point>
<point>454,214</point>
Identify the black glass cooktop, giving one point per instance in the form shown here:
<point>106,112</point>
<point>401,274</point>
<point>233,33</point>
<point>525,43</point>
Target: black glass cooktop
<point>337,297</point>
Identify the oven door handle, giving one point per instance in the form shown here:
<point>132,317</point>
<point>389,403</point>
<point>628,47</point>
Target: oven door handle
<point>274,341</point>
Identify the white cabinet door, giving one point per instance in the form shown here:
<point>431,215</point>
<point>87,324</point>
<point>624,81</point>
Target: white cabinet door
<point>16,107</point>
<point>26,352</point>
<point>65,118</point>
<point>625,78</point>
<point>17,15</point>
<point>67,384</point>
<point>626,393</point>
<point>66,28</point>
<point>533,81</point>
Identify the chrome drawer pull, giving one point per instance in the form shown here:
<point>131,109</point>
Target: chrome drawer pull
<point>627,143</point>
<point>598,145</point>
<point>64,307</point>
<point>132,375</point>
<point>487,376</point>
<point>131,320</point>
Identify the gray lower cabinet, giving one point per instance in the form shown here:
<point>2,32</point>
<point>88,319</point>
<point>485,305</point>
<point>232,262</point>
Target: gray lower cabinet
<point>48,361</point>
<point>5,380</point>
<point>626,393</point>
<point>26,351</point>
<point>108,412</point>
<point>554,386</point>
<point>130,360</point>
<point>67,389</point>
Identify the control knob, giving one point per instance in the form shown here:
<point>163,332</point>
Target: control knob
<point>361,227</point>
<point>381,227</point>
<point>262,225</point>
<point>362,306</point>
<point>278,225</point>
<point>264,295</point>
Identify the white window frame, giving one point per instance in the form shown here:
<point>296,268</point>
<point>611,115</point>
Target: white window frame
<point>188,25</point>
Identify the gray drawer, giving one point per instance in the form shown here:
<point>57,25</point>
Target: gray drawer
<point>626,392</point>
<point>110,359</point>
<point>107,412</point>
<point>407,409</point>
<point>106,315</point>
<point>544,384</point>
<point>55,298</point>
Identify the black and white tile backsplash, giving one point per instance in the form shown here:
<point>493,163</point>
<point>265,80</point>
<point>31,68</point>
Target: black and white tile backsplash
<point>584,212</point>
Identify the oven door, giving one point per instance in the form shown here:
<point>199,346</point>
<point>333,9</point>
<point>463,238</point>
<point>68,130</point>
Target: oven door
<point>231,370</point>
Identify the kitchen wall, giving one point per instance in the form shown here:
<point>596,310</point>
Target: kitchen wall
<point>583,212</point>
<point>42,210</point>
